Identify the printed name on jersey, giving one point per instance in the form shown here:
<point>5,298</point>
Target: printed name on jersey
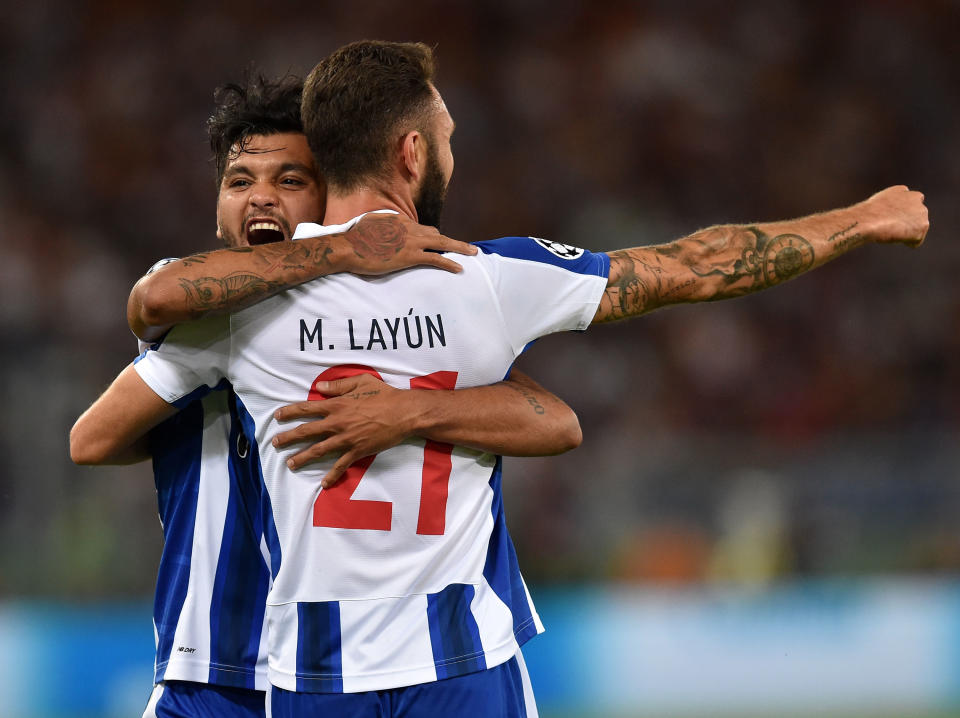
<point>412,331</point>
<point>564,251</point>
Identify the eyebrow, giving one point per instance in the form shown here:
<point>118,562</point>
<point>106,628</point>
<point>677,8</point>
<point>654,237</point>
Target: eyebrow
<point>241,169</point>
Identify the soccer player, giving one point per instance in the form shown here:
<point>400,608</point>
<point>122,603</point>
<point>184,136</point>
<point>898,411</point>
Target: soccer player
<point>396,591</point>
<point>213,577</point>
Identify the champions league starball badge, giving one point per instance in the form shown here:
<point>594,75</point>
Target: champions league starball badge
<point>564,251</point>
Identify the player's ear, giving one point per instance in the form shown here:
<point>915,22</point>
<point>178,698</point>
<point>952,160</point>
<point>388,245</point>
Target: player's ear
<point>413,151</point>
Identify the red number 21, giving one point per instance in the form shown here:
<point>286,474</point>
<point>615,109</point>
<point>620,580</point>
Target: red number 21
<point>335,508</point>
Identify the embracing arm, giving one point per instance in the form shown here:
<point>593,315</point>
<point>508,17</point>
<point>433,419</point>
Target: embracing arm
<point>113,430</point>
<point>732,260</point>
<point>364,416</point>
<point>227,280</point>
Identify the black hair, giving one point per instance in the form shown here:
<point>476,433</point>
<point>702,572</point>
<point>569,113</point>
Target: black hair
<point>258,107</point>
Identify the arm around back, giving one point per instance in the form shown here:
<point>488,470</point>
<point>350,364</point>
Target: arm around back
<point>113,430</point>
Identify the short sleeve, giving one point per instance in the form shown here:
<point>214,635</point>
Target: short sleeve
<point>190,361</point>
<point>544,287</point>
<point>161,263</point>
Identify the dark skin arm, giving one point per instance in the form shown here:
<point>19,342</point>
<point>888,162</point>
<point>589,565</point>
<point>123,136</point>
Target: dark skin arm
<point>364,416</point>
<point>729,261</point>
<point>227,280</point>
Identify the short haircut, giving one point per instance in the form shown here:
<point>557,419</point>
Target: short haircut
<point>359,100</point>
<point>260,106</point>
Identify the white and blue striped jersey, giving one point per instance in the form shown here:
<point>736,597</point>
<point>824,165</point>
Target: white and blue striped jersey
<point>404,572</point>
<point>213,578</point>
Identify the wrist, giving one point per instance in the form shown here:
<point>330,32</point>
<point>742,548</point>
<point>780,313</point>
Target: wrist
<point>337,253</point>
<point>865,219</point>
<point>420,416</point>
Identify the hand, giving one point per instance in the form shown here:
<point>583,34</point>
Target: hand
<point>362,416</point>
<point>900,216</point>
<point>382,243</point>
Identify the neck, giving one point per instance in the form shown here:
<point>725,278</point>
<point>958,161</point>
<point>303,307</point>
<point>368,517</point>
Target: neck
<point>344,206</point>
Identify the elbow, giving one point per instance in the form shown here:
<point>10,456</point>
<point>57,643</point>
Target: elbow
<point>574,434</point>
<point>87,449</point>
<point>148,311</point>
<point>568,436</point>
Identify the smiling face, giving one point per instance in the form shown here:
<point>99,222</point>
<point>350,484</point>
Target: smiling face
<point>268,188</point>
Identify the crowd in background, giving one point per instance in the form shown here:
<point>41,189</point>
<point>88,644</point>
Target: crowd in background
<point>806,431</point>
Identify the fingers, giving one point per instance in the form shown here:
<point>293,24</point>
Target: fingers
<point>445,244</point>
<point>339,387</point>
<point>441,262</point>
<point>303,409</point>
<point>314,453</point>
<point>309,431</point>
<point>333,477</point>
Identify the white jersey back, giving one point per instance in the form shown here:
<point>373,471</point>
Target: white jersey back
<point>403,573</point>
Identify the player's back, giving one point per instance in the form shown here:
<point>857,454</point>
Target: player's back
<point>403,572</point>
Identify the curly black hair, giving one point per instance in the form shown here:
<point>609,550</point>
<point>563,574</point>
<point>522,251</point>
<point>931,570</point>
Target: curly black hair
<point>258,107</point>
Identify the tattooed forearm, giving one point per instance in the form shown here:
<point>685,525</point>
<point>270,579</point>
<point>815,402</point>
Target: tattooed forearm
<point>715,263</point>
<point>235,291</point>
<point>193,259</point>
<point>838,235</point>
<point>842,243</point>
<point>754,260</point>
<point>303,258</point>
<point>529,396</point>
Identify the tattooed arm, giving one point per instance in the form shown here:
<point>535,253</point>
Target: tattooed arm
<point>226,280</point>
<point>364,416</point>
<point>731,260</point>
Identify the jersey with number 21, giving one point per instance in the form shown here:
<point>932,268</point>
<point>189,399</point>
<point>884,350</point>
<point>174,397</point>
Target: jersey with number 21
<point>404,572</point>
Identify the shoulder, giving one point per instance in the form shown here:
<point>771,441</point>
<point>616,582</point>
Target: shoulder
<point>544,251</point>
<point>161,263</point>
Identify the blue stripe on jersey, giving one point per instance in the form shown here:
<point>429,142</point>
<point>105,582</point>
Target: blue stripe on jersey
<point>454,635</point>
<point>319,659</point>
<point>200,392</point>
<point>176,447</point>
<point>268,526</point>
<point>242,579</point>
<point>502,570</point>
<point>593,263</point>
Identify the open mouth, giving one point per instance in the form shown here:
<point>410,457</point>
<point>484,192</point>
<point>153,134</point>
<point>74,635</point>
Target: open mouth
<point>264,232</point>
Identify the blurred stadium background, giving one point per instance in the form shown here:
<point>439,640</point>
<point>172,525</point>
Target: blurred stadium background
<point>763,517</point>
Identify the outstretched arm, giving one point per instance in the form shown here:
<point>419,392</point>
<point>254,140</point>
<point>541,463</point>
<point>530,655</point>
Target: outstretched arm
<point>364,416</point>
<point>113,430</point>
<point>731,260</point>
<point>226,280</point>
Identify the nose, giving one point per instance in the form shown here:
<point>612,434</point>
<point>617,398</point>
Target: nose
<point>264,194</point>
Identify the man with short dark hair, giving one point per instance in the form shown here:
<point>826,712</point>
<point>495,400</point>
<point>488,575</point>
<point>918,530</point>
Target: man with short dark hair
<point>213,576</point>
<point>418,608</point>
